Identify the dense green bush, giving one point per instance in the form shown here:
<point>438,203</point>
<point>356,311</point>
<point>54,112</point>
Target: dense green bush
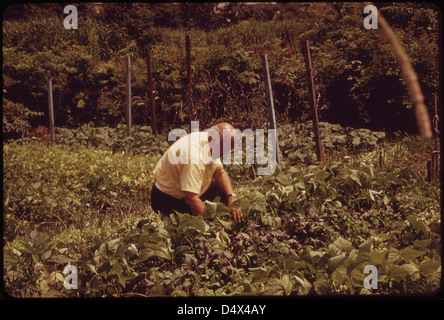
<point>308,230</point>
<point>358,80</point>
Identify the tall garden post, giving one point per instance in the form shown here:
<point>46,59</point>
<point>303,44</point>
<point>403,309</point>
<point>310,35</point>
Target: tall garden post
<point>189,85</point>
<point>270,102</point>
<point>50,107</point>
<point>435,153</point>
<point>128,94</point>
<point>314,104</point>
<point>436,123</point>
<point>151,95</point>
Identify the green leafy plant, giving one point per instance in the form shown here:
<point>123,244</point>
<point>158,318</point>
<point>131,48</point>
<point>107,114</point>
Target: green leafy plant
<point>307,229</point>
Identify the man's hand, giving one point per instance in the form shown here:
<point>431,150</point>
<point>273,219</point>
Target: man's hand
<point>224,182</point>
<point>237,213</point>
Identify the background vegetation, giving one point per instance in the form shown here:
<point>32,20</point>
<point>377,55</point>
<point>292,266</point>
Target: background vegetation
<point>309,229</point>
<point>357,78</point>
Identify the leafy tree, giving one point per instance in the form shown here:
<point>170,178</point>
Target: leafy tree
<point>356,76</point>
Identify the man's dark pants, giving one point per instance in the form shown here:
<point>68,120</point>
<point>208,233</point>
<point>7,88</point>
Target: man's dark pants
<point>166,204</point>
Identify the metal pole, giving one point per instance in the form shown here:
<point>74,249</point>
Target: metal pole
<point>151,94</point>
<point>189,80</point>
<point>128,95</point>
<point>270,102</point>
<point>435,164</point>
<point>309,68</point>
<point>429,170</point>
<point>50,107</point>
<point>435,123</point>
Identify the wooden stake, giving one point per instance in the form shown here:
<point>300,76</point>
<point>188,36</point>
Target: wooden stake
<point>128,94</point>
<point>429,170</point>
<point>189,79</point>
<point>151,95</point>
<point>381,159</point>
<point>270,102</point>
<point>435,164</point>
<point>22,132</point>
<point>50,107</point>
<point>436,123</point>
<point>314,105</point>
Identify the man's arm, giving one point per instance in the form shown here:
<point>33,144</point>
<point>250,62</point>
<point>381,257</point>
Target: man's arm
<point>224,183</point>
<point>223,180</point>
<point>196,205</point>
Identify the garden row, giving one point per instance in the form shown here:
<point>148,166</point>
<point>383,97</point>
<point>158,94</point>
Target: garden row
<point>308,230</point>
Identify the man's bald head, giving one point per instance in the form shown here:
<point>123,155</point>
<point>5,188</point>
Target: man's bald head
<point>226,133</point>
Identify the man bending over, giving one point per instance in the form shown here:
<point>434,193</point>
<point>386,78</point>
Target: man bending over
<point>191,172</point>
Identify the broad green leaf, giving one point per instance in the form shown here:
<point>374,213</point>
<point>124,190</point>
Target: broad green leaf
<point>399,273</point>
<point>342,244</point>
<point>377,257</point>
<point>188,221</point>
<point>59,276</point>
<point>113,244</point>
<point>321,287</point>
<point>282,179</point>
<point>36,185</point>
<point>116,269</point>
<point>355,177</point>
<point>228,225</point>
<point>258,274</point>
<point>300,185</point>
<point>216,244</point>
<point>365,291</point>
<point>61,259</point>
<point>417,224</point>
<point>210,210</point>
<point>275,287</point>
<point>287,284</point>
<point>237,291</point>
<point>429,266</point>
<point>46,255</point>
<point>422,243</point>
<point>366,246</point>
<point>358,275</point>
<point>356,141</point>
<point>393,255</point>
<point>222,209</point>
<point>334,262</point>
<point>410,268</point>
<point>310,256</point>
<point>410,254</point>
<point>342,175</point>
<point>370,195</point>
<point>92,268</point>
<point>33,234</point>
<point>305,286</point>
<point>340,274</point>
<point>293,196</point>
<point>161,250</point>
